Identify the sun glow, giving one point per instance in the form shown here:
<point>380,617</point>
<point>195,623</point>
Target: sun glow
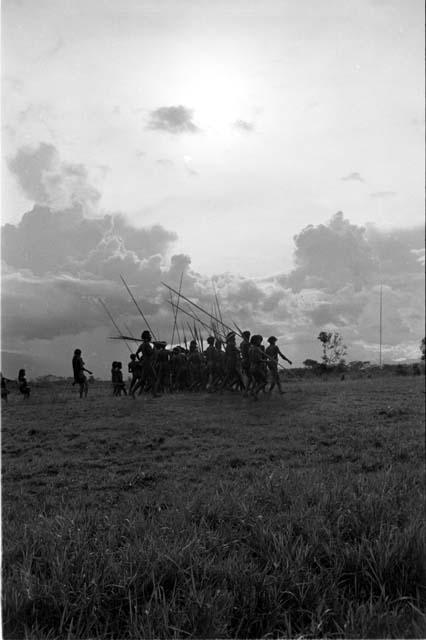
<point>218,93</point>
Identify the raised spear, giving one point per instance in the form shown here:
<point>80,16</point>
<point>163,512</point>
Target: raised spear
<point>124,338</point>
<point>217,302</point>
<point>138,307</point>
<point>188,314</point>
<point>180,289</point>
<point>217,320</point>
<point>113,322</point>
<point>198,307</point>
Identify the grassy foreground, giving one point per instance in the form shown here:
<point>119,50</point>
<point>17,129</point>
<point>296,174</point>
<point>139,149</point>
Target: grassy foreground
<point>213,516</point>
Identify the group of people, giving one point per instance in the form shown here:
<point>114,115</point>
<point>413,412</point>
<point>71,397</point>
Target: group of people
<point>248,367</point>
<point>23,387</point>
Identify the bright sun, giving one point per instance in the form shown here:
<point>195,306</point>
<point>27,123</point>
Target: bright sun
<point>217,92</point>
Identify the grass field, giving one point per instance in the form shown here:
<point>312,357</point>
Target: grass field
<point>198,515</point>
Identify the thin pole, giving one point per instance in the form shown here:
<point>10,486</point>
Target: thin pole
<point>380,326</point>
<point>217,302</point>
<point>197,307</point>
<point>174,305</point>
<point>176,310</point>
<point>113,322</point>
<point>214,318</point>
<point>138,307</point>
<point>128,330</point>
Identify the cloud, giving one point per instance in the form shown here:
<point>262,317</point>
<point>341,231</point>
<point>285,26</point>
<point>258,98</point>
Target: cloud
<point>353,176</point>
<point>383,194</point>
<point>329,256</point>
<point>46,180</point>
<point>46,241</point>
<point>243,125</point>
<point>58,262</point>
<point>173,119</point>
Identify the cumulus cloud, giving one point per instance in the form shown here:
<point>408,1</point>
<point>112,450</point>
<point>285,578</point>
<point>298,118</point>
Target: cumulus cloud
<point>45,307</point>
<point>243,125</point>
<point>46,241</point>
<point>58,262</point>
<point>173,120</point>
<point>48,181</point>
<point>330,255</point>
<point>353,176</point>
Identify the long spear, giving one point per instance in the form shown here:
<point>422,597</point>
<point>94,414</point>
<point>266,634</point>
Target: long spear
<point>180,289</point>
<point>128,330</point>
<point>197,337</point>
<point>188,314</point>
<point>198,307</point>
<point>113,321</point>
<point>138,307</point>
<point>217,302</point>
<point>217,320</point>
<point>124,338</point>
<point>191,333</point>
<point>173,304</point>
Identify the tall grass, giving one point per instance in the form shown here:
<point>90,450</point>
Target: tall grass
<point>294,554</point>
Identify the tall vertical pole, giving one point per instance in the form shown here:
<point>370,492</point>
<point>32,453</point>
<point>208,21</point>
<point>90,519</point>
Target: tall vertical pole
<point>380,329</point>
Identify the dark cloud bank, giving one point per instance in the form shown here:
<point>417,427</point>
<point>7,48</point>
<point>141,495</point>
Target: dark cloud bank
<point>63,255</point>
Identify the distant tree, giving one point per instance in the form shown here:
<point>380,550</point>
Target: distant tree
<point>423,348</point>
<point>333,349</point>
<point>311,364</point>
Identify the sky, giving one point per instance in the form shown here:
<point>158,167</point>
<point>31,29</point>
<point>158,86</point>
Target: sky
<point>222,139</point>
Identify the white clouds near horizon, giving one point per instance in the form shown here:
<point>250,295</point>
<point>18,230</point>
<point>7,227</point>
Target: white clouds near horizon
<point>58,263</point>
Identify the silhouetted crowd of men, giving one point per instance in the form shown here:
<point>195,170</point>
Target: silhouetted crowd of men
<point>248,367</point>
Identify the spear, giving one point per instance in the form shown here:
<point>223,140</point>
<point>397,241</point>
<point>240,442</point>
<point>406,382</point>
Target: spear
<point>217,301</point>
<point>198,307</point>
<point>124,338</point>
<point>197,336</point>
<point>188,314</point>
<point>138,307</point>
<point>180,289</point>
<point>128,330</point>
<point>174,317</point>
<point>217,320</point>
<point>113,322</point>
<point>237,328</point>
<point>175,310</point>
<point>191,333</point>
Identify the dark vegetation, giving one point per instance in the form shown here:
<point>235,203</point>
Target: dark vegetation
<point>213,516</point>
